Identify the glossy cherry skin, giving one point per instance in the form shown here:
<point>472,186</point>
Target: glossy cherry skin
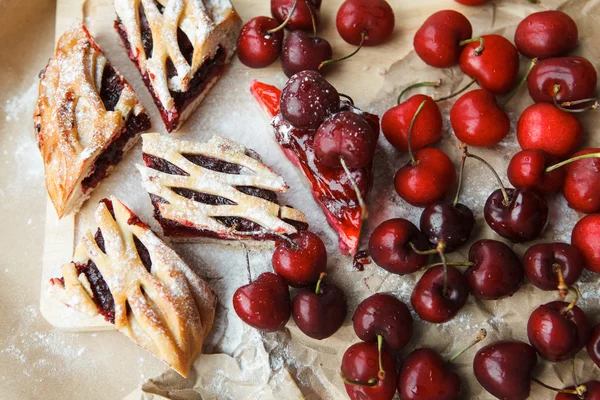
<point>496,271</point>
<point>300,266</point>
<point>389,246</point>
<point>453,224</point>
<point>527,170</point>
<point>484,68</point>
<point>524,218</point>
<point>319,315</point>
<point>504,369</point>
<point>301,52</point>
<point>586,237</point>
<point>576,77</point>
<point>425,375</point>
<point>427,128</point>
<point>345,135</point>
<point>546,34</point>
<point>429,300</point>
<point>582,183</point>
<point>255,47</point>
<point>301,18</point>
<point>437,40</point>
<point>264,303</point>
<point>540,260</point>
<point>308,99</point>
<point>385,315</point>
<point>477,120</point>
<point>374,17</point>
<point>545,127</point>
<point>430,180</point>
<point>555,334</point>
<point>592,393</point>
<point>361,363</point>
<point>593,345</point>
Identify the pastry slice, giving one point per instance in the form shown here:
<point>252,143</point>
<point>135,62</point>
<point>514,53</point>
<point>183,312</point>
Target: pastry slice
<point>331,187</point>
<point>180,47</point>
<point>218,189</point>
<point>87,116</point>
<point>128,275</point>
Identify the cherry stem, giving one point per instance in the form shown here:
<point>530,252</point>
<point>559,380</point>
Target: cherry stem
<point>422,252</point>
<point>381,373</point>
<point>563,288</point>
<point>575,292</point>
<point>441,246</point>
<point>521,83</point>
<point>312,18</point>
<point>350,99</point>
<point>480,336</point>
<point>247,254</point>
<point>478,50</point>
<point>460,179</point>
<point>370,383</point>
<point>570,160</point>
<point>468,85</point>
<point>284,23</point>
<point>450,263</point>
<point>360,45</point>
<point>361,201</point>
<point>418,85</point>
<point>487,164</point>
<point>563,106</point>
<point>578,391</point>
<point>413,161</point>
<point>318,287</point>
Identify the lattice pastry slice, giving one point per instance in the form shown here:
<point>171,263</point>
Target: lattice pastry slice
<point>87,116</point>
<point>127,274</point>
<point>217,189</point>
<point>180,47</point>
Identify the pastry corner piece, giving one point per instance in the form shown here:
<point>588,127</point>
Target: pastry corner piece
<point>127,274</point>
<point>87,116</point>
<point>180,47</point>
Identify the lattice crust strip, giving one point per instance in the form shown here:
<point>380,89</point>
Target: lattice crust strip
<point>168,311</point>
<point>198,215</point>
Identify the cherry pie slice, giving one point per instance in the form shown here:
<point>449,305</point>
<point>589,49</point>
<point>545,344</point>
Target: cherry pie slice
<point>87,116</point>
<point>125,273</point>
<point>180,47</point>
<point>331,187</point>
<point>218,189</point>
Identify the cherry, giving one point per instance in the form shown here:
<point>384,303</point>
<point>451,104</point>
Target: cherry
<point>301,19</point>
<point>558,330</point>
<point>264,303</point>
<point>495,271</point>
<point>546,34</point>
<point>365,22</point>
<point>471,2</point>
<point>308,99</point>
<point>321,311</point>
<point>528,170</point>
<point>259,43</point>
<point>483,66</point>
<point>437,42</point>
<point>562,79</point>
<point>301,259</point>
<point>362,367</point>
<point>545,127</point>
<point>551,266</point>
<point>301,52</point>
<point>582,183</point>
<point>592,392</point>
<point>391,246</point>
<point>586,237</point>
<point>383,315</point>
<point>593,345</point>
<point>504,369</point>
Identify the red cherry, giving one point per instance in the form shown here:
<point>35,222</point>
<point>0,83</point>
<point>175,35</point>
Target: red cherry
<point>593,345</point>
<point>390,248</point>
<point>264,303</point>
<point>256,47</point>
<point>582,183</point>
<point>372,18</point>
<point>425,375</point>
<point>301,19</point>
<point>437,40</point>
<point>301,261</point>
<point>360,368</point>
<point>471,2</point>
<point>546,34</point>
<point>477,120</point>
<point>301,52</point>
<point>586,237</point>
<point>592,392</point>
<point>545,127</point>
<point>548,265</point>
<point>527,170</point>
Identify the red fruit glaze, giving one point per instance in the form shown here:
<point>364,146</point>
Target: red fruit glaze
<point>593,345</point>
<point>539,261</point>
<point>576,77</point>
<point>527,170</point>
<point>374,17</point>
<point>592,393</point>
<point>582,183</point>
<point>301,18</point>
<point>361,363</point>
<point>300,266</point>
<point>256,48</point>
<point>586,237</point>
<point>546,34</point>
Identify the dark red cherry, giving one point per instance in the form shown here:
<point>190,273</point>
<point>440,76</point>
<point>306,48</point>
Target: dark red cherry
<point>385,315</point>
<point>504,369</point>
<point>546,34</point>
<point>308,99</point>
<point>302,18</point>
<point>570,78</point>
<point>348,136</point>
<point>390,249</point>
<point>257,48</point>
<point>582,183</point>
<point>557,332</point>
<point>452,223</point>
<point>586,237</point>
<point>593,345</point>
<point>301,52</point>
<point>301,260</point>
<point>542,261</point>
<point>592,392</point>
<point>437,40</point>
<point>425,375</point>
<point>496,271</point>
<point>434,304</point>
<point>527,170</point>
<point>373,17</point>
<point>360,365</point>
<point>264,303</point>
